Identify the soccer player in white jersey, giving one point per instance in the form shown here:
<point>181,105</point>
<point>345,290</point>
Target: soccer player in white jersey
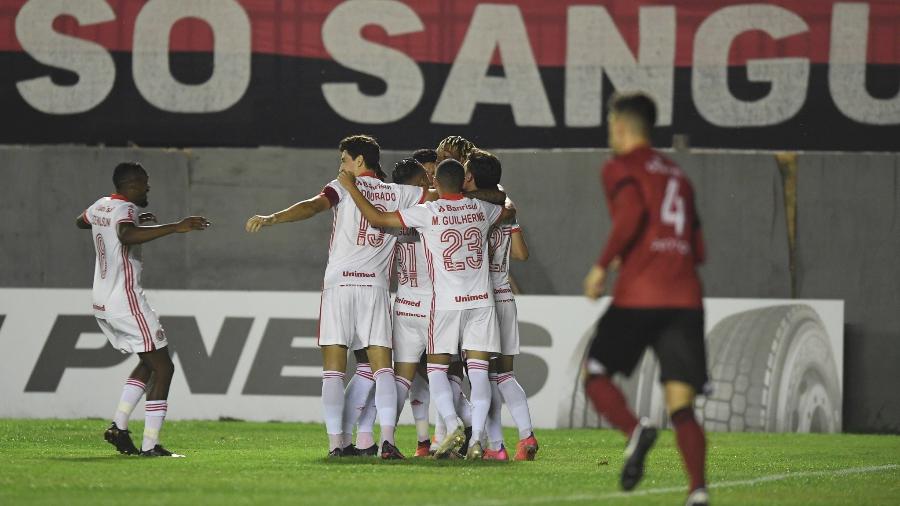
<point>483,170</point>
<point>412,307</point>
<point>454,230</point>
<point>355,310</point>
<point>121,308</point>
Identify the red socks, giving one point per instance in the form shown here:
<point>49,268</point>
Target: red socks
<point>609,402</point>
<point>692,444</point>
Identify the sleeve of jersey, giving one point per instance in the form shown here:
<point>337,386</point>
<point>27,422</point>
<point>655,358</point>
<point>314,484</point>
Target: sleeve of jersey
<point>331,194</point>
<point>415,216</point>
<point>84,217</point>
<point>627,215</point>
<point>492,212</point>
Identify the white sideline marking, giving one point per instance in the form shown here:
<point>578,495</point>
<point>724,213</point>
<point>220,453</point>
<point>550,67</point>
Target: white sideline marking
<point>669,490</point>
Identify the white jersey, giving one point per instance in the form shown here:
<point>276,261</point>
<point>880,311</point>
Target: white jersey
<point>412,266</point>
<point>117,271</point>
<point>455,230</point>
<point>499,246</point>
<point>359,254</point>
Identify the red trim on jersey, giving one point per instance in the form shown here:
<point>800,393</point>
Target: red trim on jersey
<point>332,196</point>
<point>368,173</point>
<point>118,196</point>
<point>84,217</point>
<point>400,216</point>
<point>452,196</point>
<point>133,303</point>
<point>428,259</point>
<point>422,198</point>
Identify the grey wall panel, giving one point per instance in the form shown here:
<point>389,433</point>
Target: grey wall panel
<point>741,205</point>
<point>848,248</point>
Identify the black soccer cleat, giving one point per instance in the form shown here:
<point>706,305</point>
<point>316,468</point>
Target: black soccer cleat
<point>350,451</point>
<point>390,452</point>
<point>368,452</point>
<point>121,439</point>
<point>465,447</point>
<point>159,451</point>
<point>639,445</point>
<point>336,453</point>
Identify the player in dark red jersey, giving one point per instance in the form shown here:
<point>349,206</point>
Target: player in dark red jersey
<point>656,244</point>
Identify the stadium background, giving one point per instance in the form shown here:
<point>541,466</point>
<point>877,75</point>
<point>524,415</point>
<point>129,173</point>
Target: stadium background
<point>202,143</point>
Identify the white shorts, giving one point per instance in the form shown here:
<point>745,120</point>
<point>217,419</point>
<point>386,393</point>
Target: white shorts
<point>355,316</point>
<point>411,327</point>
<point>131,334</point>
<point>508,321</point>
<point>476,329</point>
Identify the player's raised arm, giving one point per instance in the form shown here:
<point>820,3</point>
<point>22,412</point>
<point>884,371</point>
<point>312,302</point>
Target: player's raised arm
<point>300,211</point>
<point>373,215</point>
<point>129,233</point>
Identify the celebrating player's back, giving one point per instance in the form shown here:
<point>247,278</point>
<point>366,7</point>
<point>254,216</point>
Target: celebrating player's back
<point>121,308</point>
<point>455,230</point>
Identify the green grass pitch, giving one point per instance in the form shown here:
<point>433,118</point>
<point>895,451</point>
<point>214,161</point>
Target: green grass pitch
<point>62,462</point>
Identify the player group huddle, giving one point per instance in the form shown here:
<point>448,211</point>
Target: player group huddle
<point>446,230</point>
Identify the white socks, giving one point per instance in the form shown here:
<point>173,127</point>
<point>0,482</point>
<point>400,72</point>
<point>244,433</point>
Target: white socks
<point>154,416</point>
<point>403,386</point>
<point>364,430</point>
<point>460,403</point>
<point>419,402</point>
<point>386,402</point>
<point>494,426</point>
<point>481,395</point>
<point>355,398</point>
<point>333,406</point>
<point>442,397</point>
<point>516,402</point>
<point>131,394</point>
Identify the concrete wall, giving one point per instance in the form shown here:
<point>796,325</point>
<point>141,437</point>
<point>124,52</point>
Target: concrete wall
<point>847,243</point>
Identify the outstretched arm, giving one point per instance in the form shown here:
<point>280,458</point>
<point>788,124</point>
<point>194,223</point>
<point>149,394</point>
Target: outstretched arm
<point>129,233</point>
<point>375,217</point>
<point>297,212</point>
<point>493,196</point>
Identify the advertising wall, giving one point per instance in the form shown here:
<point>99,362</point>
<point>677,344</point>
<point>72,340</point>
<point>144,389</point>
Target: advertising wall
<point>780,74</point>
<point>775,365</point>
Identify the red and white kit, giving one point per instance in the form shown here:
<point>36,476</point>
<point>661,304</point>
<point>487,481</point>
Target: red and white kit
<point>455,230</point>
<point>119,303</point>
<point>412,304</point>
<point>507,314</point>
<point>356,308</point>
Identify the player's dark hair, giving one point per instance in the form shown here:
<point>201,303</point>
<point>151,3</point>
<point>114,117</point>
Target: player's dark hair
<point>425,155</point>
<point>367,146</point>
<point>637,106</point>
<point>405,170</point>
<point>459,146</point>
<point>449,175</point>
<point>485,168</point>
<point>126,172</point>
